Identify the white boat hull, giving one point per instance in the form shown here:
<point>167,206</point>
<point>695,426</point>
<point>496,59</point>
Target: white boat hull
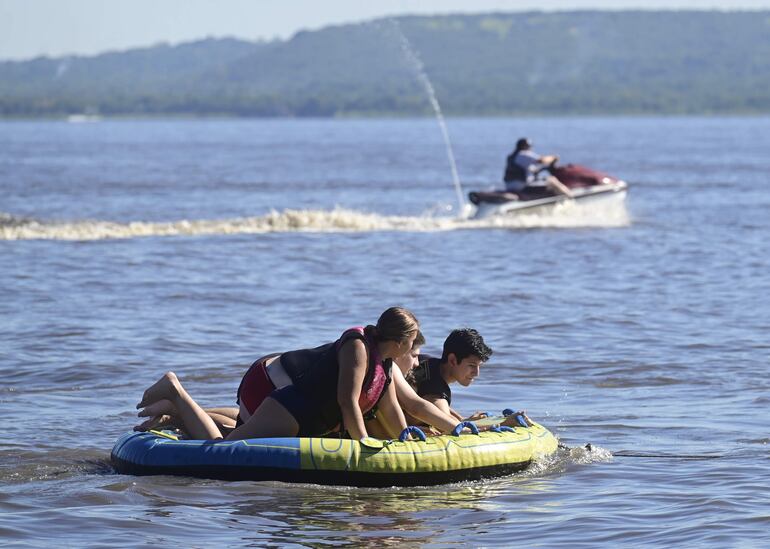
<point>604,195</point>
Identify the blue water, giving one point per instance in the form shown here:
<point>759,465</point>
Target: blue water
<point>133,247</point>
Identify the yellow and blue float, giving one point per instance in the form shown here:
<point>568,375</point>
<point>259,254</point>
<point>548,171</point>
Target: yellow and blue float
<point>459,456</point>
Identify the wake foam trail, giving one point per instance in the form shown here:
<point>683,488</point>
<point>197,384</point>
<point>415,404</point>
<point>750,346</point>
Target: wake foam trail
<point>337,220</point>
<point>565,458</point>
<point>8,220</point>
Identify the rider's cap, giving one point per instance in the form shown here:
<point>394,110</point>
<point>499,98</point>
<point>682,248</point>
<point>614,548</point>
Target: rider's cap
<point>523,143</point>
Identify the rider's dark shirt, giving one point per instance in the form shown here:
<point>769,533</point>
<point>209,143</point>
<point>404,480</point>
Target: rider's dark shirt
<point>428,379</point>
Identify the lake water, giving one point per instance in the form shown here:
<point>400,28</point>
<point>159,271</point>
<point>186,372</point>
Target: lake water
<point>133,247</point>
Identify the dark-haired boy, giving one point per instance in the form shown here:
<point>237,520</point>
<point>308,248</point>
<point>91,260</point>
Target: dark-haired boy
<point>463,354</point>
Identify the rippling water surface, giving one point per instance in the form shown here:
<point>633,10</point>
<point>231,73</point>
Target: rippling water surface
<point>133,247</point>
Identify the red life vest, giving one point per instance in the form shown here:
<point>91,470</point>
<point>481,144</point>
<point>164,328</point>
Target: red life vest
<point>377,375</point>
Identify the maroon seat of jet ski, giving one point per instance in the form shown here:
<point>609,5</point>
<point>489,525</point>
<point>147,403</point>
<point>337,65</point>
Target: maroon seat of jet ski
<point>574,176</point>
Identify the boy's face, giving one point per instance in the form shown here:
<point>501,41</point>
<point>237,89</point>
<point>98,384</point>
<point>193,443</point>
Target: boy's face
<point>466,370</point>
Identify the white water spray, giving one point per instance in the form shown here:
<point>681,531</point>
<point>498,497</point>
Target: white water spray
<point>338,220</point>
<point>422,76</point>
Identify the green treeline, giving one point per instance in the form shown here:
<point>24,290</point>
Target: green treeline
<point>585,62</point>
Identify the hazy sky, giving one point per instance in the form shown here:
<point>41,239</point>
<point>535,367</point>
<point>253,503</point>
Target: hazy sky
<point>29,28</point>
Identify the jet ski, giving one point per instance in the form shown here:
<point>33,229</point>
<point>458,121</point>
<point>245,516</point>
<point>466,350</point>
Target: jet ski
<point>587,186</point>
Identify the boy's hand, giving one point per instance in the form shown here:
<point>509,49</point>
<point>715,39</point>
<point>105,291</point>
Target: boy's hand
<point>513,419</point>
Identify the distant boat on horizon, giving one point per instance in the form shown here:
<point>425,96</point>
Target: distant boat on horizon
<point>82,117</point>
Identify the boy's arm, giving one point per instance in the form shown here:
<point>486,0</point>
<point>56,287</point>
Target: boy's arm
<point>420,408</point>
<point>455,413</point>
<point>441,403</point>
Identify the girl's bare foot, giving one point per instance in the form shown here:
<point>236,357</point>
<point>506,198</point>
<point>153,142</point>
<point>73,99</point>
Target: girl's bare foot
<point>158,409</point>
<point>156,422</point>
<point>166,388</point>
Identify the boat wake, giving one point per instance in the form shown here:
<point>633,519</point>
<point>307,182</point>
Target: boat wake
<point>337,220</point>
<point>567,458</point>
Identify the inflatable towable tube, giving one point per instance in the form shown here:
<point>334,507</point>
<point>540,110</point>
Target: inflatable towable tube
<point>336,461</point>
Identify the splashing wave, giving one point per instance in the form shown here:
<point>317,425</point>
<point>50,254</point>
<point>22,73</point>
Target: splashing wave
<point>335,220</point>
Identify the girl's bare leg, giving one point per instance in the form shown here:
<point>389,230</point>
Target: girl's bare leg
<point>390,414</point>
<point>157,422</point>
<point>163,414</point>
<point>376,429</point>
<point>271,419</point>
<point>162,407</point>
<point>222,421</point>
<point>230,412</point>
<point>195,420</point>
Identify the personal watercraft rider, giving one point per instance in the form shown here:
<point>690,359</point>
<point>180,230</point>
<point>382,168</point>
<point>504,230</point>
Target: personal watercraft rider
<point>523,166</point>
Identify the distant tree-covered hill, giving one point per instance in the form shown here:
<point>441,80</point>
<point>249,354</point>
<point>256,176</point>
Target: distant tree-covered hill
<point>513,63</point>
